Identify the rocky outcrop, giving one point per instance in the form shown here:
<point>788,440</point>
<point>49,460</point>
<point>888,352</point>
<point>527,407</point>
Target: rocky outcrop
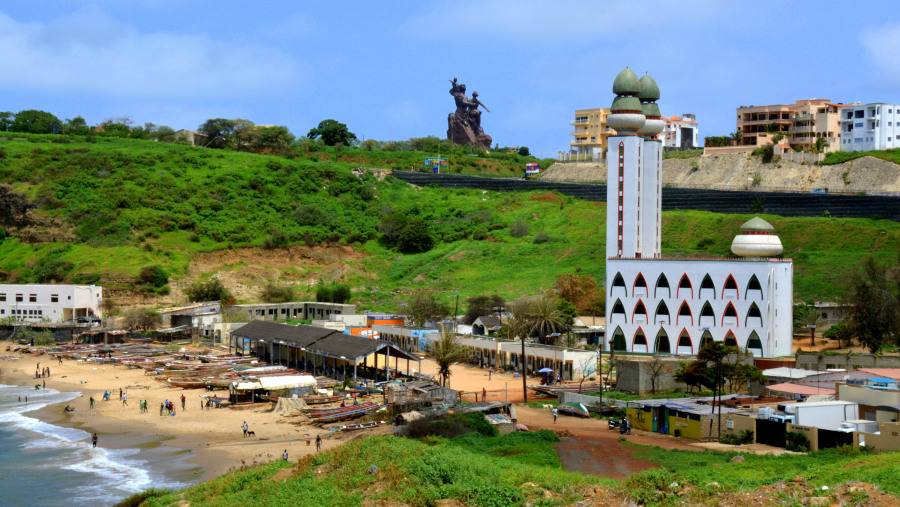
<point>21,218</point>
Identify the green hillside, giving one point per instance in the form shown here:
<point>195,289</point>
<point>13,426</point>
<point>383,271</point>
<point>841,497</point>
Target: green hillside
<point>107,208</point>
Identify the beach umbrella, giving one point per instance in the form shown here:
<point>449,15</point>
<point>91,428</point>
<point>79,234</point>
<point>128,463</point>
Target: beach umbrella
<point>545,370</point>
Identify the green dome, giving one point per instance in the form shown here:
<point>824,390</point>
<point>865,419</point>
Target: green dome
<point>627,83</point>
<point>649,89</point>
<point>650,109</point>
<point>757,225</point>
<point>625,104</point>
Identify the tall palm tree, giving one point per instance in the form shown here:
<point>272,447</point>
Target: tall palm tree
<point>446,351</point>
<point>804,317</point>
<point>545,316</point>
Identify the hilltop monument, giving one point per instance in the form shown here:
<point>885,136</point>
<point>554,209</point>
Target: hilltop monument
<point>464,125</point>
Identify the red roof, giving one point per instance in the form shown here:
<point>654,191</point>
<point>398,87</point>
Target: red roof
<point>891,373</point>
<point>790,388</point>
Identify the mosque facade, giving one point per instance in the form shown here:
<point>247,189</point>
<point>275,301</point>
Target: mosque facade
<point>672,305</point>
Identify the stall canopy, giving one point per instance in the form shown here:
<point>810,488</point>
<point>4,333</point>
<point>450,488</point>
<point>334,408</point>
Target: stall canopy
<point>277,383</point>
<point>272,332</point>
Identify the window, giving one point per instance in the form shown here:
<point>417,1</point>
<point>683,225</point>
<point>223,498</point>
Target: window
<point>54,298</point>
<point>2,297</point>
<point>849,115</point>
<point>19,298</point>
<point>859,114</point>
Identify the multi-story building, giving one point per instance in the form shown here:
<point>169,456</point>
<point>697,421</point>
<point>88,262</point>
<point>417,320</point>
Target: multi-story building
<point>671,305</point>
<point>590,132</point>
<point>800,123</point>
<point>681,133</point>
<point>49,303</point>
<point>866,127</point>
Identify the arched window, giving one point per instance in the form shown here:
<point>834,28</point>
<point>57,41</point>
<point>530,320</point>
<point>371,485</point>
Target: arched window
<point>640,287</point>
<point>662,343</point>
<point>662,314</point>
<point>730,290</point>
<point>730,316</point>
<point>684,311</point>
<point>705,338</point>
<point>754,344</point>
<point>685,345</point>
<point>618,282</point>
<point>708,286</point>
<point>640,341</point>
<point>684,283</point>
<point>618,339</point>
<point>753,285</point>
<point>754,316</point>
<point>662,285</point>
<point>640,313</point>
<point>618,311</point>
<point>730,340</point>
<point>707,316</point>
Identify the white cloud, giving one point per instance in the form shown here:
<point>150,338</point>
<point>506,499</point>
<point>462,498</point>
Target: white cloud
<point>539,22</point>
<point>90,52</point>
<point>881,44</point>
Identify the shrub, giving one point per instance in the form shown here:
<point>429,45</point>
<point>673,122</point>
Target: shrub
<point>518,229</point>
<point>154,276</point>
<point>138,499</point>
<point>796,441</point>
<point>209,290</point>
<point>273,293</point>
<point>768,153</point>
<point>542,237</point>
<point>53,270</point>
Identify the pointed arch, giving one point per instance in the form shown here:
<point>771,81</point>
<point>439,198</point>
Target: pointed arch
<point>662,283</point>
<point>662,314</point>
<point>707,316</point>
<point>618,310</point>
<point>754,316</point>
<point>640,313</point>
<point>685,345</point>
<point>730,290</point>
<point>618,340</point>
<point>730,340</point>
<point>753,285</point>
<point>684,283</point>
<point>754,344</point>
<point>705,338</point>
<point>639,343</point>
<point>730,316</point>
<point>639,288</point>
<point>707,285</point>
<point>684,311</point>
<point>662,345</point>
<point>618,282</point>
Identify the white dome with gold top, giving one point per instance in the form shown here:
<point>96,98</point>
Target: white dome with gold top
<point>757,240</point>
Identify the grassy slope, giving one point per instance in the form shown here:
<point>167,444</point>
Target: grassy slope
<point>136,203</point>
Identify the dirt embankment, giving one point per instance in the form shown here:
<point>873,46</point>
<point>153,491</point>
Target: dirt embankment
<point>742,171</point>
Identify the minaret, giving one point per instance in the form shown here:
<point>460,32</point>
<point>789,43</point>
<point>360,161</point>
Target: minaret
<point>650,180</point>
<point>624,165</point>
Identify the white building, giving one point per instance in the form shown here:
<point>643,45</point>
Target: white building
<point>681,133</point>
<point>866,127</point>
<point>49,303</point>
<point>674,305</point>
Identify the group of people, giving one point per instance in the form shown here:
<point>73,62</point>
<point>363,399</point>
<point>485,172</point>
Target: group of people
<point>41,372</point>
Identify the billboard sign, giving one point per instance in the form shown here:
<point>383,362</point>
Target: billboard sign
<point>532,168</point>
<point>436,163</point>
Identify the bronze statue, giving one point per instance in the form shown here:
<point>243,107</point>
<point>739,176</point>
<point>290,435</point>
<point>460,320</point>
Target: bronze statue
<point>464,125</point>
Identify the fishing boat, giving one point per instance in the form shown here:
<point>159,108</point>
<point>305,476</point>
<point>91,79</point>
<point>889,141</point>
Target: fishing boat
<point>370,390</point>
<point>319,400</point>
<point>354,412</point>
<point>358,426</point>
<point>573,409</point>
<point>319,412</point>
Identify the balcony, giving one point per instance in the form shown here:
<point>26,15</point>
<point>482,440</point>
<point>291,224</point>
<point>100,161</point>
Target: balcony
<point>803,128</point>
<point>803,117</point>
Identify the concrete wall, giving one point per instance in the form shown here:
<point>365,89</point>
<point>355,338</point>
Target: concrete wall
<point>866,396</point>
<point>578,398</point>
<point>738,424</point>
<point>633,375</point>
<point>821,362</point>
<point>812,434</point>
<point>887,441</point>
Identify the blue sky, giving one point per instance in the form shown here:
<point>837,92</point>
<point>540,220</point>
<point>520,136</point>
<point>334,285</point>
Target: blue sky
<point>382,67</point>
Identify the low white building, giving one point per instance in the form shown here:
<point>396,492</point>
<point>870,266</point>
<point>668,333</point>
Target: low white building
<point>866,127</point>
<point>681,133</point>
<point>49,303</point>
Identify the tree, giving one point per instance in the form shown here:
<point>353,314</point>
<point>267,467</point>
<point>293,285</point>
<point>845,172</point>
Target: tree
<point>821,144</point>
<point>544,316</point>
<point>273,293</point>
<point>369,144</point>
<point>423,307</point>
<point>477,306</point>
<point>6,120</point>
<point>586,368</point>
<point>164,134</point>
<point>76,125</point>
<point>804,317</point>
<point>141,318</point>
<point>841,332</point>
<point>273,138</point>
<point>415,236</point>
<point>244,135</point>
<point>335,293</point>
<point>713,355</point>
<point>580,290</point>
<point>657,367</point>
<point>737,135</point>
<point>518,326</point>
<point>523,150</point>
<point>217,131</point>
<point>445,351</point>
<point>874,316</point>
<point>34,122</point>
<point>332,132</point>
<point>154,276</point>
<point>209,290</point>
<point>691,374</point>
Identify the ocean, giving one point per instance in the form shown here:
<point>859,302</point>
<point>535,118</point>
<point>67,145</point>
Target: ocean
<point>48,464</point>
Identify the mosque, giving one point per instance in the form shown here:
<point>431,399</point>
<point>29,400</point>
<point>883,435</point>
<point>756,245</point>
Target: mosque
<point>675,305</point>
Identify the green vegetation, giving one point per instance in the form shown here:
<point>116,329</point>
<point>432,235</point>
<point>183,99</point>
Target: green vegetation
<point>839,157</point>
<point>682,153</point>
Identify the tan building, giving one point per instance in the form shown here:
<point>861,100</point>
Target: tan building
<point>800,123</point>
<point>591,132</point>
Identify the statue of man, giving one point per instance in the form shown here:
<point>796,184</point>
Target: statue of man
<point>474,113</point>
<point>458,90</point>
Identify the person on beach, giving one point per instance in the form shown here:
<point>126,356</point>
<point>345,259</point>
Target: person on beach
<point>60,360</point>
<point>120,393</point>
<point>201,403</point>
<point>48,371</point>
<point>94,440</point>
<point>182,401</point>
<point>490,371</point>
<point>483,394</point>
<point>318,443</point>
<point>555,414</point>
<point>245,428</point>
<point>45,384</point>
<point>284,455</point>
<point>92,403</point>
<point>160,408</point>
<point>124,400</point>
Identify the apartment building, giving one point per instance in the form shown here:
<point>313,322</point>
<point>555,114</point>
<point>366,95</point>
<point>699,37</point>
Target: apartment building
<point>49,303</point>
<point>866,127</point>
<point>681,133</point>
<point>800,123</point>
<point>590,132</point>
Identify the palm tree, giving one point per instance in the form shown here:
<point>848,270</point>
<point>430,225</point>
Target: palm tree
<point>545,316</point>
<point>446,351</point>
<point>807,317</point>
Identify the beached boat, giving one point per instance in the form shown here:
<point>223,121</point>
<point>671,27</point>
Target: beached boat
<point>356,411</point>
<point>358,426</point>
<point>573,409</point>
<point>319,400</point>
<point>319,412</point>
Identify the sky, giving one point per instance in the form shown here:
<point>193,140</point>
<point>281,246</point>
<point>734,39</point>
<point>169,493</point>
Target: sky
<point>383,68</point>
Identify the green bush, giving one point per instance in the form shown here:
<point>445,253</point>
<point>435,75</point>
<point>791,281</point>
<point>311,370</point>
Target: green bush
<point>153,276</point>
<point>209,290</point>
<point>273,293</point>
<point>518,229</point>
<point>796,441</point>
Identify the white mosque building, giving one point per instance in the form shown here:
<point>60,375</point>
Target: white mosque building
<point>675,305</point>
